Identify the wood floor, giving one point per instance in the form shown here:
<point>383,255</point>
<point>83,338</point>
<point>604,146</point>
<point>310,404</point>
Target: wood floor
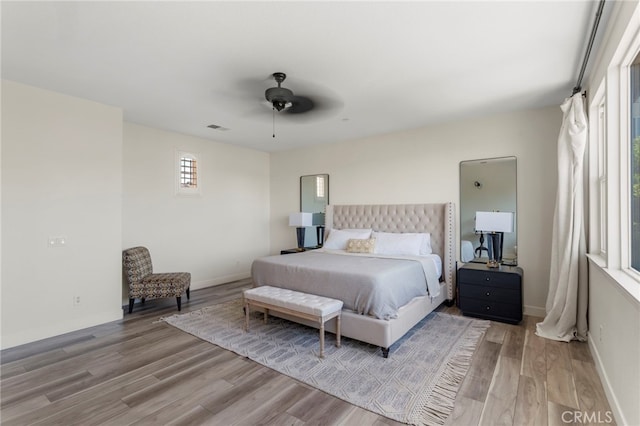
<point>140,371</point>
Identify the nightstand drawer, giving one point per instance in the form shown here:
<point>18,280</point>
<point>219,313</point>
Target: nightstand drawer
<point>488,278</point>
<point>492,310</point>
<point>491,294</point>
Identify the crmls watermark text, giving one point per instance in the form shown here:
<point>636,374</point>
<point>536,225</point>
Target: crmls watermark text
<point>587,417</point>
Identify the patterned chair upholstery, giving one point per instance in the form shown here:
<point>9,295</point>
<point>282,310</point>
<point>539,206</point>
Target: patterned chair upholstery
<point>144,284</point>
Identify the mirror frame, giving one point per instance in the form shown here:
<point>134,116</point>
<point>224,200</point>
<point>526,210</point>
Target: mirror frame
<point>510,251</point>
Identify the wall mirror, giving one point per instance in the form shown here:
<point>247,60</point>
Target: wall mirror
<point>314,197</point>
<point>487,185</point>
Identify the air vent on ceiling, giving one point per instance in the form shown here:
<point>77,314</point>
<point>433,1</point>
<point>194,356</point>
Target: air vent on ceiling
<point>216,127</point>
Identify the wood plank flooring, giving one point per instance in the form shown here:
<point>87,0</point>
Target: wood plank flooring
<point>139,371</point>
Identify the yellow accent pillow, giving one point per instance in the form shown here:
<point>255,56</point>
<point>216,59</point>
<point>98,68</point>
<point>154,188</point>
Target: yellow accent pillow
<point>361,246</point>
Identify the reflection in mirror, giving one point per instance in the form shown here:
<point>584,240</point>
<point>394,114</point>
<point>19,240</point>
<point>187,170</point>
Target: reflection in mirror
<point>314,197</point>
<point>487,185</point>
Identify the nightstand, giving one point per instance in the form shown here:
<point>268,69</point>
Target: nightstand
<point>490,293</point>
<point>296,250</point>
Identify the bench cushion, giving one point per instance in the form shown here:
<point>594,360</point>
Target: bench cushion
<point>294,300</point>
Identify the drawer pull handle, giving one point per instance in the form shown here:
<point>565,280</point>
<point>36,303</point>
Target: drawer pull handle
<point>488,308</point>
<point>488,293</point>
<point>487,279</point>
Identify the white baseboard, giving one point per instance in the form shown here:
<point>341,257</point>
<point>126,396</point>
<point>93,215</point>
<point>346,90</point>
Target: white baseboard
<point>59,328</point>
<point>535,311</point>
<point>220,280</point>
<point>608,390</point>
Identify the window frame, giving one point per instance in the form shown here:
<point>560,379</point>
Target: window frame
<point>598,171</point>
<point>192,190</point>
<point>624,69</point>
<point>614,93</point>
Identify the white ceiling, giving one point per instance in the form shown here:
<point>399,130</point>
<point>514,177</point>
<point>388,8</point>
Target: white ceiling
<point>384,66</point>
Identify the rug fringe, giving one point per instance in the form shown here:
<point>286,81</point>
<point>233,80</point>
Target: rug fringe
<point>438,406</point>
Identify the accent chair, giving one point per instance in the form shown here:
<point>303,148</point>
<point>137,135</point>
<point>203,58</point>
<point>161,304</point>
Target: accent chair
<point>144,284</point>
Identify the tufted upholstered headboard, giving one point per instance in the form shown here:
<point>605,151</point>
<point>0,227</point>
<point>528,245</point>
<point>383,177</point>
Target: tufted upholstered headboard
<point>436,219</point>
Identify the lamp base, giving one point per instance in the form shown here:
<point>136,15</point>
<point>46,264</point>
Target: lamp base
<point>495,252</point>
<point>320,235</point>
<point>493,264</point>
<point>300,236</point>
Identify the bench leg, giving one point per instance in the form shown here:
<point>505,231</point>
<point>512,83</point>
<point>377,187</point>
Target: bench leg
<point>321,339</point>
<point>246,316</point>
<point>266,315</point>
<point>338,331</point>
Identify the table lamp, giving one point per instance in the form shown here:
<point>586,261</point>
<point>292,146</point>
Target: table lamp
<point>300,220</point>
<point>494,224</point>
<point>318,222</point>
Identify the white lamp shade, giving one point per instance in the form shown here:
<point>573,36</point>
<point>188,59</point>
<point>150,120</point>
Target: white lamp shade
<point>300,219</point>
<point>494,221</point>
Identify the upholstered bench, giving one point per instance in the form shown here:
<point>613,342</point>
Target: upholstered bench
<point>297,304</point>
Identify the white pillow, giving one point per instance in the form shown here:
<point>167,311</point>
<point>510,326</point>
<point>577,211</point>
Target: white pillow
<point>425,248</point>
<point>337,239</point>
<point>409,244</point>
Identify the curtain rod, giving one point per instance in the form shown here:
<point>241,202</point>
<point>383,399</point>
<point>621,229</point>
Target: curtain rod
<point>594,29</point>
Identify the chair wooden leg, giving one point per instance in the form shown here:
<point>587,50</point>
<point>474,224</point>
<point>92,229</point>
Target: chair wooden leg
<point>142,301</point>
<point>131,304</point>
<point>188,295</point>
<point>179,300</point>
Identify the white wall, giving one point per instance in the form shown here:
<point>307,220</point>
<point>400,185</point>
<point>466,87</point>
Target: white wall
<point>423,166</point>
<point>215,235</point>
<point>66,172</point>
<point>616,347</point>
<point>61,176</point>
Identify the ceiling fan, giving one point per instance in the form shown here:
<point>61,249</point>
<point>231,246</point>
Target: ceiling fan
<point>283,99</point>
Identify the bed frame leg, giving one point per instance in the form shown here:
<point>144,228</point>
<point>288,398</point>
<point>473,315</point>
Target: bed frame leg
<point>385,352</point>
<point>449,302</point>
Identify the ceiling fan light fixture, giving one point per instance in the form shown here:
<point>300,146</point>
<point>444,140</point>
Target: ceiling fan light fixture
<point>280,105</point>
<point>279,97</point>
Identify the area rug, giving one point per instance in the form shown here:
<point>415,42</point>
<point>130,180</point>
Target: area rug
<point>417,384</point>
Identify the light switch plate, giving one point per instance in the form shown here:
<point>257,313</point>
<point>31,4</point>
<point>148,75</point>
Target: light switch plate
<point>57,241</point>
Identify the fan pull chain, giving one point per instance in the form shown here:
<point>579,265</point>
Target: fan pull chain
<point>274,121</point>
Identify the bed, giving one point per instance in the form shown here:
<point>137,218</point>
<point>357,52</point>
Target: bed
<point>384,316</point>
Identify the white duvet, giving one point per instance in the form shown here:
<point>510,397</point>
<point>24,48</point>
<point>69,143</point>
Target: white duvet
<point>370,284</point>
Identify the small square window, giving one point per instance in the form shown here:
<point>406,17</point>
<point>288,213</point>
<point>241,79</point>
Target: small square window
<point>188,172</point>
<point>188,182</point>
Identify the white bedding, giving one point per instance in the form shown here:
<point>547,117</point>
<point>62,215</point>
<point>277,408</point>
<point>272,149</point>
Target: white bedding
<point>431,264</point>
<point>370,284</point>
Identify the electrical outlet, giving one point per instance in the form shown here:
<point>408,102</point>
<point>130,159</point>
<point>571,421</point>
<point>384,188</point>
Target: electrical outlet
<point>76,300</point>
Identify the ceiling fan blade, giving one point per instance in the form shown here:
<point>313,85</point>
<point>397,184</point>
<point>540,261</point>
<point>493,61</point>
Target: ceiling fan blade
<point>300,105</point>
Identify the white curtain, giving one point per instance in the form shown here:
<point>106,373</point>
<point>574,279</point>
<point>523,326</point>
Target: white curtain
<point>567,300</point>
